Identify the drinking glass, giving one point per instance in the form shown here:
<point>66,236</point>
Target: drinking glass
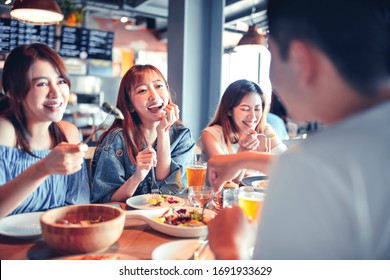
<point>250,200</point>
<point>196,173</point>
<point>200,196</point>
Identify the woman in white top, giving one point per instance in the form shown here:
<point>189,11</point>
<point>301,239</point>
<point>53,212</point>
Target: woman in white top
<point>239,124</point>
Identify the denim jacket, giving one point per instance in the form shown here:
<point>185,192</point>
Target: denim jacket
<point>111,166</point>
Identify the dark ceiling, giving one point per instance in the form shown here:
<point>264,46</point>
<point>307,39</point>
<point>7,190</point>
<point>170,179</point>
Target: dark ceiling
<point>155,12</point>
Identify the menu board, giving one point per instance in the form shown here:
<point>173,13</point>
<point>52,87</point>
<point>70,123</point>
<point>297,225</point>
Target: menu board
<point>86,43</point>
<point>14,33</point>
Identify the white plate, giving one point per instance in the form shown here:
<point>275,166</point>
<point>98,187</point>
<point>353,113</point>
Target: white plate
<point>254,181</point>
<point>141,202</point>
<point>150,216</point>
<point>22,226</point>
<point>180,250</point>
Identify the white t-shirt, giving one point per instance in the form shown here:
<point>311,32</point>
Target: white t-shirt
<point>329,196</point>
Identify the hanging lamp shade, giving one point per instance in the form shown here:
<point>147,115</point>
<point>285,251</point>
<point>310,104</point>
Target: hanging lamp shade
<point>252,39</point>
<point>38,12</point>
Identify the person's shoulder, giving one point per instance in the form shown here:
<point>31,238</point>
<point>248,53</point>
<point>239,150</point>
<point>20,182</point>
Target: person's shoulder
<point>179,129</point>
<point>216,128</point>
<point>71,132</point>
<point>114,138</point>
<point>7,133</point>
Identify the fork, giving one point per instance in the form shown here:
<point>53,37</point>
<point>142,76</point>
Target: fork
<point>199,250</point>
<point>154,189</point>
<point>107,122</point>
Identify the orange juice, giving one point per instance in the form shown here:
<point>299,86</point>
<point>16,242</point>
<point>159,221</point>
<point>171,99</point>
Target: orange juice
<point>250,202</point>
<point>196,175</point>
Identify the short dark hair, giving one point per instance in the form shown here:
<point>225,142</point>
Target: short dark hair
<point>354,34</point>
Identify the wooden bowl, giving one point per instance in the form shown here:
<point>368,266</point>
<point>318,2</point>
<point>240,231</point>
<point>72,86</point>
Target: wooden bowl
<point>82,228</point>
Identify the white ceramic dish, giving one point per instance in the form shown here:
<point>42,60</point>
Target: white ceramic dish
<point>180,250</point>
<point>23,226</point>
<point>260,181</point>
<point>141,202</point>
<point>149,217</point>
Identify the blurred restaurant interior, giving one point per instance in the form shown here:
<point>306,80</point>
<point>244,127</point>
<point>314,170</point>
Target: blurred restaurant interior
<point>194,43</point>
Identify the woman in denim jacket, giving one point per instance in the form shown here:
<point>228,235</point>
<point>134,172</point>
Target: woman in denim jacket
<point>150,136</point>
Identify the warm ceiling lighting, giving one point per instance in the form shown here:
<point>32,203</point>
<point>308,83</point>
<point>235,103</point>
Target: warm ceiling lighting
<point>38,12</point>
<point>252,39</point>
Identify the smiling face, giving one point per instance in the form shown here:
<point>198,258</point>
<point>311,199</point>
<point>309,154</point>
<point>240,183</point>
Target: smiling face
<point>48,95</point>
<point>247,114</point>
<point>149,97</point>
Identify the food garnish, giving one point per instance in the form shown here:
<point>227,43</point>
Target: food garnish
<point>157,201</point>
<point>181,217</point>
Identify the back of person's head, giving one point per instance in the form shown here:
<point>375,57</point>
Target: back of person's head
<point>231,98</point>
<point>17,82</point>
<point>353,34</point>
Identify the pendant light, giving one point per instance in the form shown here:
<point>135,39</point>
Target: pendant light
<point>252,39</point>
<point>38,12</point>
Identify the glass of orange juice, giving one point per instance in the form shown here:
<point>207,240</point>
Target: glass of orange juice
<point>250,200</point>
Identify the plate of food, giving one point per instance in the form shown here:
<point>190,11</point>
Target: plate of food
<point>149,202</point>
<point>22,226</point>
<point>260,181</point>
<point>181,250</point>
<point>175,221</point>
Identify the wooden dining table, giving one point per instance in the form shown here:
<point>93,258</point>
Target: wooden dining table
<point>138,240</point>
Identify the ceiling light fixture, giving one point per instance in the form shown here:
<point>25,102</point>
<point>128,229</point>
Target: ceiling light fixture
<point>252,40</point>
<point>38,12</point>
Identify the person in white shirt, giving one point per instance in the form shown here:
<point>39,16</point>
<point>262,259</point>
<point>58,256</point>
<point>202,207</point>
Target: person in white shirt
<point>328,196</point>
<point>240,123</point>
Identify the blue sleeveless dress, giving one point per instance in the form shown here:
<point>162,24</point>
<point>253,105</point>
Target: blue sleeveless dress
<point>55,191</point>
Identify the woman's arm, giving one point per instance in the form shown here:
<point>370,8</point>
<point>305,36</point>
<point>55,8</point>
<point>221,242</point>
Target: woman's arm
<point>182,151</point>
<point>64,159</point>
<point>146,159</point>
<point>211,146</point>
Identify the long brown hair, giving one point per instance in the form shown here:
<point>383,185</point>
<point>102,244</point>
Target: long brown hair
<point>132,125</point>
<point>16,84</point>
<point>231,98</point>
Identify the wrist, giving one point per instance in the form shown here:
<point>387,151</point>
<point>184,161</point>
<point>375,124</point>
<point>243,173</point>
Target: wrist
<point>41,168</point>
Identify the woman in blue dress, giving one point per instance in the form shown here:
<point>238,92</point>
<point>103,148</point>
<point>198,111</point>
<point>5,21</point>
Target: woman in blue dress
<point>150,136</point>
<point>41,162</point>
